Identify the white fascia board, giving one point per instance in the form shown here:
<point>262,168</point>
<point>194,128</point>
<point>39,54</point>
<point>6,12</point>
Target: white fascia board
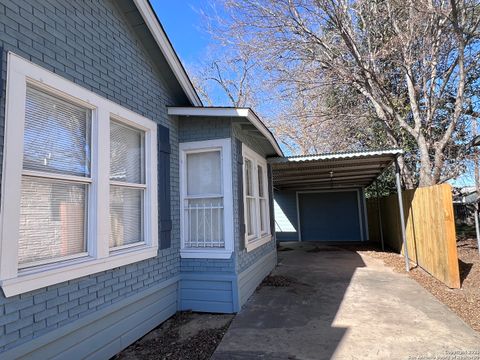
<point>228,112</point>
<point>167,50</point>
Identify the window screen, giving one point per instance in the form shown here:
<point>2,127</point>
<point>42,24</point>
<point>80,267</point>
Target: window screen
<point>204,170</point>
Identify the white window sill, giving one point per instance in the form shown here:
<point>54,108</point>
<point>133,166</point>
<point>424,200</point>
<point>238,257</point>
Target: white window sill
<point>36,278</point>
<point>205,254</point>
<point>253,244</point>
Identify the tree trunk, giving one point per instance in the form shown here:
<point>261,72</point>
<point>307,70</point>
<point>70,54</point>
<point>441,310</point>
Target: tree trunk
<point>425,171</point>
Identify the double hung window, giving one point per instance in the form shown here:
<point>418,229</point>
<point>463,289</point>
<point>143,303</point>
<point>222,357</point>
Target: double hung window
<point>76,194</point>
<point>206,199</point>
<point>255,185</point>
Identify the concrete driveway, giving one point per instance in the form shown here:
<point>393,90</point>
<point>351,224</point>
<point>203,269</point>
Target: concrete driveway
<point>342,305</point>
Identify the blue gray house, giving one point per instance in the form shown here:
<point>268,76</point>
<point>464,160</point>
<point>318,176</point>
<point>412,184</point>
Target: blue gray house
<point>123,199</point>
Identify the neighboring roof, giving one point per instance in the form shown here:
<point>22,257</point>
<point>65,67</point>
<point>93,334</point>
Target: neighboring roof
<point>331,170</point>
<point>230,112</point>
<point>161,38</point>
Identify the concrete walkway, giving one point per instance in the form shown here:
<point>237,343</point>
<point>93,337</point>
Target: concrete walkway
<point>344,306</point>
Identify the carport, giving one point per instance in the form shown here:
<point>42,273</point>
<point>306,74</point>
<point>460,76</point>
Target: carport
<point>322,197</point>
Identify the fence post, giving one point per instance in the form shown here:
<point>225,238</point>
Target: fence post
<point>402,215</point>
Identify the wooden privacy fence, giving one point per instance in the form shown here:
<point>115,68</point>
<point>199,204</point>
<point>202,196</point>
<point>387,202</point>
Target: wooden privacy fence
<point>430,229</point>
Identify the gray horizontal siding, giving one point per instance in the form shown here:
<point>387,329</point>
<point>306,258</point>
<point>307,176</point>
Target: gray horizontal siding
<point>105,333</point>
<point>208,292</point>
<point>249,279</point>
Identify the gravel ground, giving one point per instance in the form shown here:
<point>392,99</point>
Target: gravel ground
<point>465,301</point>
<point>186,335</point>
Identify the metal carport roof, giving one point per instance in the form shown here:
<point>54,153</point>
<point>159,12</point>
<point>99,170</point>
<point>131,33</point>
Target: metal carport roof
<point>331,170</point>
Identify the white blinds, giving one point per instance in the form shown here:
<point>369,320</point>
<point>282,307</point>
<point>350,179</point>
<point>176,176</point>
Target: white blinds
<point>126,215</point>
<point>56,163</point>
<point>52,219</point>
<point>126,154</point>
<point>57,135</point>
<point>127,165</point>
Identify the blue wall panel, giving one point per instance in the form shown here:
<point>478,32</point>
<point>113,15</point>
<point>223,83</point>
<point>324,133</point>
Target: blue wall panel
<point>208,292</point>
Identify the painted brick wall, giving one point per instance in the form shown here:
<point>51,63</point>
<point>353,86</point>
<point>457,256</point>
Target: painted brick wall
<point>87,42</point>
<point>200,129</point>
<point>245,259</point>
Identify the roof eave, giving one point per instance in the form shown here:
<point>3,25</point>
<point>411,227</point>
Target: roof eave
<point>229,112</point>
<point>336,156</point>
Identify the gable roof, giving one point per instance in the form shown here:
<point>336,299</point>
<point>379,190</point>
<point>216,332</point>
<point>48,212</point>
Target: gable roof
<point>151,20</point>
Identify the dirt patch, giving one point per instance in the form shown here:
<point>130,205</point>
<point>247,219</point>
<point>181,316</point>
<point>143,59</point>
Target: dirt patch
<point>285,249</point>
<point>277,281</point>
<point>186,335</point>
<point>465,301</point>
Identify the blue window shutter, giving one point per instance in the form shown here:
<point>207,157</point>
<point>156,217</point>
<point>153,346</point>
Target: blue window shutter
<point>165,219</point>
<point>241,211</point>
<point>270,197</point>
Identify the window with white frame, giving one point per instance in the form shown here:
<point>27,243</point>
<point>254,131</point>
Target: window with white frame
<point>76,194</point>
<point>255,190</point>
<point>206,190</point>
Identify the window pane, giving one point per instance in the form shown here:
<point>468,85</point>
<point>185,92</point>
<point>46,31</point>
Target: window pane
<point>126,154</point>
<point>260,181</point>
<point>52,219</point>
<point>204,173</point>
<point>204,225</point>
<point>57,135</point>
<point>250,215</point>
<point>248,177</point>
<point>263,212</point>
<point>126,215</point>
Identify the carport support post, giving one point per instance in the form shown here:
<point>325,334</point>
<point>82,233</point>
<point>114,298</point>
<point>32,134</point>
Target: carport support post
<point>402,215</point>
<point>380,225</point>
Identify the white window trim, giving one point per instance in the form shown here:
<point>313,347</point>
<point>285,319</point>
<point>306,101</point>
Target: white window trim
<point>224,145</point>
<point>13,281</point>
<point>258,238</point>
